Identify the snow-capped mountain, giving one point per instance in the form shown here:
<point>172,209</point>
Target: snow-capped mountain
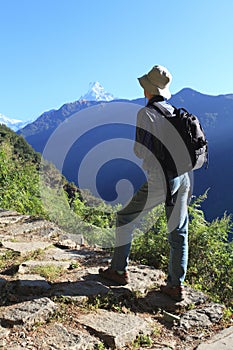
<point>13,124</point>
<point>97,92</point>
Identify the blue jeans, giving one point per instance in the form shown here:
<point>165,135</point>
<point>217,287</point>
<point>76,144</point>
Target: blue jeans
<point>146,198</point>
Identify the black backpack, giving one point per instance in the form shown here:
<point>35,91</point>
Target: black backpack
<point>193,152</point>
<point>193,136</point>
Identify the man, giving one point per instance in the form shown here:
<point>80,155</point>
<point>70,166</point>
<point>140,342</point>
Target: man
<point>151,135</point>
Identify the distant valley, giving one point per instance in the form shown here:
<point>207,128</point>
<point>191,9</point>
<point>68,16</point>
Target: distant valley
<point>215,113</point>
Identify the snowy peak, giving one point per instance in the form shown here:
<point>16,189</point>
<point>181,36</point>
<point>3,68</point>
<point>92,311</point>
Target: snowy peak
<point>97,92</point>
<point>13,124</point>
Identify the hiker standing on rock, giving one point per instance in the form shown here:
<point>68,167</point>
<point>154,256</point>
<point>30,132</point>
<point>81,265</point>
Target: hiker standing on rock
<point>162,185</point>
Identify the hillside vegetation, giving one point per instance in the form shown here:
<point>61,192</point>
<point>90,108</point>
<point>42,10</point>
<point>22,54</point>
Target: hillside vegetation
<point>30,185</point>
<point>19,174</point>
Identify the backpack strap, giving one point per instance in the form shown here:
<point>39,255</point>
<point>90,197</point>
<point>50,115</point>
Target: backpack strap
<point>170,199</point>
<point>161,109</point>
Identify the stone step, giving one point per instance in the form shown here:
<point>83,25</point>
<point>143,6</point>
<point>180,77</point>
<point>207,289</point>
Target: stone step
<point>26,247</point>
<point>55,336</point>
<point>58,254</point>
<point>28,313</point>
<point>30,296</point>
<point>30,265</point>
<point>41,228</point>
<point>221,341</point>
<point>116,329</point>
<point>30,284</point>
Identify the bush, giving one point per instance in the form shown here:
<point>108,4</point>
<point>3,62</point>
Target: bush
<point>210,252</point>
<point>150,245</point>
<point>101,215</point>
<point>19,187</point>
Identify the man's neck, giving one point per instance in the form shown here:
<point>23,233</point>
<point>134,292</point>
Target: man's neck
<point>156,98</point>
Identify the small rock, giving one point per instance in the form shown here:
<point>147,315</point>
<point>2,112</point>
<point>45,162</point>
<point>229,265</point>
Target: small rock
<point>214,312</point>
<point>77,238</point>
<point>170,317</point>
<point>194,318</point>
<point>203,317</point>
<point>66,244</point>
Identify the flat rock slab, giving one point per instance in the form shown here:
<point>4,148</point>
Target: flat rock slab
<point>59,254</point>
<point>56,336</point>
<point>28,313</point>
<point>39,227</point>
<point>142,278</point>
<point>26,247</point>
<point>79,288</point>
<point>5,213</point>
<point>155,299</point>
<point>63,338</point>
<point>30,265</point>
<point>221,341</point>
<point>30,284</point>
<point>10,218</point>
<point>115,329</point>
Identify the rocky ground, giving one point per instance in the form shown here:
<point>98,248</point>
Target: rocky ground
<point>52,297</point>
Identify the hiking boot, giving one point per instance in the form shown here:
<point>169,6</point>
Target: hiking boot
<point>113,275</point>
<point>176,292</point>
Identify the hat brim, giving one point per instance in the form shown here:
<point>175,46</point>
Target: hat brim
<point>152,89</point>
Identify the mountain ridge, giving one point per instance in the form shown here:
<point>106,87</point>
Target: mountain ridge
<point>13,124</point>
<point>216,115</point>
<point>95,93</point>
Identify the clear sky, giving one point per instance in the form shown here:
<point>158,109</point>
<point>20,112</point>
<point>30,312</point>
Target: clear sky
<point>52,49</point>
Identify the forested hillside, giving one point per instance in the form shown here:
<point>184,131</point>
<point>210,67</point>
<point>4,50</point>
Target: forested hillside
<point>19,165</point>
<point>31,185</point>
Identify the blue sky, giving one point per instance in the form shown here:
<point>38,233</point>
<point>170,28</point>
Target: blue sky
<point>52,49</point>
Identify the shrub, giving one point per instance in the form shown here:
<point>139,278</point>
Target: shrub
<point>19,188</point>
<point>210,252</point>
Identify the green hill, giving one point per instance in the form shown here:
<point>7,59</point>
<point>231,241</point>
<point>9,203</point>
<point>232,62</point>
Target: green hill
<point>21,170</point>
<point>31,185</point>
<point>19,165</point>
